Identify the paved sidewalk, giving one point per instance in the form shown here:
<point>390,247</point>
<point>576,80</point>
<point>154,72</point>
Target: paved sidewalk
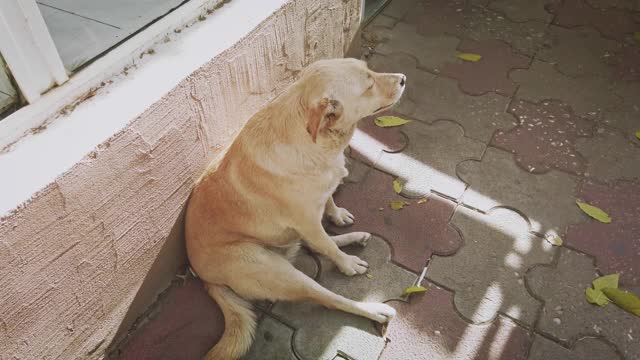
<point>497,154</point>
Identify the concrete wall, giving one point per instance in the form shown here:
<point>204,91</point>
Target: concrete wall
<point>74,257</point>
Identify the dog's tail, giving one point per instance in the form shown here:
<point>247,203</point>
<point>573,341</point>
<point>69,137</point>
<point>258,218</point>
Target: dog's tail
<point>239,324</point>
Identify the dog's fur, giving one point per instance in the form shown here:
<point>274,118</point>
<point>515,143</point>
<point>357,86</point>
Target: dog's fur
<point>271,189</point>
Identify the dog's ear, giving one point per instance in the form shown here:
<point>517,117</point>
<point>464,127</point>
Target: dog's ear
<point>323,115</point>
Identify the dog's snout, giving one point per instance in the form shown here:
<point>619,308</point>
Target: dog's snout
<point>403,80</point>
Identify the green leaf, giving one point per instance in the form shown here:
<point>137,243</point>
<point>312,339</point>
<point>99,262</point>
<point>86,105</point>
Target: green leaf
<point>596,297</point>
<point>369,276</point>
<point>390,121</point>
<point>413,289</point>
<point>555,240</point>
<point>636,35</point>
<point>398,204</point>
<point>397,186</point>
<point>638,134</point>
<point>607,281</point>
<point>594,212</point>
<point>469,57</point>
<point>625,300</point>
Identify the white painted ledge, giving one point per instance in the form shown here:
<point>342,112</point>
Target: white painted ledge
<point>36,160</point>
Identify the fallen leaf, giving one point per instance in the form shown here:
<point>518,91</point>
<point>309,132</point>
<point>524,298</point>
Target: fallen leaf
<point>413,289</point>
<point>557,240</point>
<point>390,121</point>
<point>636,35</point>
<point>469,57</point>
<point>607,281</point>
<point>638,134</point>
<point>596,297</point>
<point>594,212</point>
<point>625,300</point>
<point>369,276</point>
<point>398,204</point>
<point>397,186</point>
<point>423,200</point>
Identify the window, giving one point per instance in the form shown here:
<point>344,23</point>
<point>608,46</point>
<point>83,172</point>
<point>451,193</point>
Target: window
<point>45,42</point>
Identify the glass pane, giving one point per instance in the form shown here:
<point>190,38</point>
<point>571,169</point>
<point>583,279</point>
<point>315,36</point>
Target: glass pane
<point>8,94</point>
<point>84,29</point>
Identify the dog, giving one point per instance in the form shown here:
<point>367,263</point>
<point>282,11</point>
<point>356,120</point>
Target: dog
<point>269,192</point>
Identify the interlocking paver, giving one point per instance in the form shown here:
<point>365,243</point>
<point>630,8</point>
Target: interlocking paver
<point>615,245</point>
<point>620,4</point>
<point>428,327</point>
<point>272,341</point>
<point>436,17</point>
<point>522,10</point>
<point>545,138</point>
<point>187,315</point>
<point>439,98</point>
<point>610,22</point>
<point>547,200</point>
<point>432,52</point>
<point>484,24</point>
<point>490,72</point>
<point>487,273</point>
<point>414,232</point>
<point>567,316</point>
<point>584,349</point>
<point>586,95</point>
<point>610,156</point>
<point>429,162</point>
<point>320,333</point>
<point>370,140</point>
<point>626,117</point>
<point>578,52</point>
<point>627,63</point>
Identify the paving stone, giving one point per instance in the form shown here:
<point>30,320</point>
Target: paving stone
<point>428,327</point>
<point>615,245</point>
<point>605,4</point>
<point>626,117</point>
<point>610,156</point>
<point>490,72</point>
<point>522,10</point>
<point>321,333</point>
<point>439,98</point>
<point>186,324</point>
<point>370,140</point>
<point>429,162</point>
<point>585,349</point>
<point>567,316</point>
<point>414,232</point>
<point>484,24</point>
<point>627,63</point>
<point>272,341</point>
<point>545,138</point>
<point>398,8</point>
<point>487,273</point>
<point>610,22</point>
<point>437,17</point>
<point>579,51</point>
<point>586,95</point>
<point>547,200</point>
<point>431,53</point>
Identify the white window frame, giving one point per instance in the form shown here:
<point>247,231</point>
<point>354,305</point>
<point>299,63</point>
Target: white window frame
<point>36,66</point>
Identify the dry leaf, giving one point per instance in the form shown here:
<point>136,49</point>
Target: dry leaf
<point>397,186</point>
<point>594,212</point>
<point>625,300</point>
<point>469,57</point>
<point>389,121</point>
<point>636,35</point>
<point>423,200</point>
<point>556,240</point>
<point>413,289</point>
<point>638,134</point>
<point>398,204</point>
<point>596,295</point>
<point>369,276</point>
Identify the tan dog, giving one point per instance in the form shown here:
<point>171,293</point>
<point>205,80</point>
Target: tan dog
<point>271,189</point>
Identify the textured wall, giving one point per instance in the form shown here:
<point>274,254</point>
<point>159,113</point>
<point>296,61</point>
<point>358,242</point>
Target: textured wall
<point>73,258</point>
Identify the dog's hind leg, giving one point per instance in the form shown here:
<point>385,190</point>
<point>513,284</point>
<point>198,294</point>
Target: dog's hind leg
<point>257,273</point>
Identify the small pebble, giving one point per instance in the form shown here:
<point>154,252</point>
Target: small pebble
<point>557,321</point>
<point>437,332</point>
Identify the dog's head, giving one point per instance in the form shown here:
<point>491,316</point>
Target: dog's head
<point>339,92</point>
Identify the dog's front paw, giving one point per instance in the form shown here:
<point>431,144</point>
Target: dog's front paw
<point>379,312</point>
<point>360,237</point>
<point>341,217</point>
<point>351,265</point>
